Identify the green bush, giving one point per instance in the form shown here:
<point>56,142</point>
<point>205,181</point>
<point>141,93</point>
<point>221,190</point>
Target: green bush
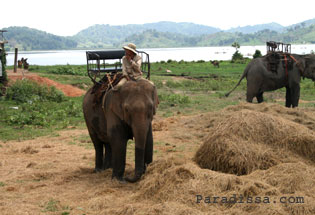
<point>200,61</point>
<point>66,70</point>
<point>23,91</point>
<point>44,114</point>
<point>237,56</point>
<point>257,54</point>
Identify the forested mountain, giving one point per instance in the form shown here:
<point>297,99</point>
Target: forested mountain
<point>156,39</point>
<point>26,38</point>
<point>160,34</point>
<point>249,29</point>
<point>151,38</point>
<point>100,36</point>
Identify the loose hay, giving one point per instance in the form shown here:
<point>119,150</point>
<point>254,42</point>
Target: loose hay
<point>250,140</point>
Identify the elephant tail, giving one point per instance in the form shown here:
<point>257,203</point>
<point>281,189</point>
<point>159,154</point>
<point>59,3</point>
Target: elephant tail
<point>243,76</point>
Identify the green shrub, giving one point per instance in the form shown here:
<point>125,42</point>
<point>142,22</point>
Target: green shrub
<point>257,54</point>
<point>44,114</point>
<point>237,56</point>
<point>23,91</point>
<point>200,61</point>
<point>66,70</point>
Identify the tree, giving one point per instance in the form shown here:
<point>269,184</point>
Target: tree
<point>257,54</point>
<point>236,45</point>
<point>236,56</point>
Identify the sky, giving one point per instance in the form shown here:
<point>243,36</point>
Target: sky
<point>68,17</point>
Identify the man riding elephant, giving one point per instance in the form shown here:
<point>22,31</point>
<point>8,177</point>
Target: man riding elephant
<point>131,66</point>
<point>123,113</point>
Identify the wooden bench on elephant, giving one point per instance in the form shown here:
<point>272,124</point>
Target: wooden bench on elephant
<point>101,63</point>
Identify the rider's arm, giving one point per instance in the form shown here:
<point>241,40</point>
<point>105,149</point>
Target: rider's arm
<point>136,64</point>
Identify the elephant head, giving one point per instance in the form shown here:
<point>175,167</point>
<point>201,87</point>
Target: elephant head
<point>309,71</point>
<point>135,104</point>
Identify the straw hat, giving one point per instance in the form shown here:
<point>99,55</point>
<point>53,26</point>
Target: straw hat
<point>131,47</point>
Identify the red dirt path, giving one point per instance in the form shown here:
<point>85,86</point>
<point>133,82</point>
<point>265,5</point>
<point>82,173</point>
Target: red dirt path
<point>67,89</point>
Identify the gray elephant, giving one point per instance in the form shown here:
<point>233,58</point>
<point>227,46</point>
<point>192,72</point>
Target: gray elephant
<point>122,115</point>
<point>261,77</point>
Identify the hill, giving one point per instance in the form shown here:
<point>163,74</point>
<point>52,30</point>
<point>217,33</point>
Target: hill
<point>151,38</point>
<point>102,36</point>
<point>249,29</point>
<point>155,39</point>
<point>26,38</point>
<point>170,34</point>
<point>160,35</point>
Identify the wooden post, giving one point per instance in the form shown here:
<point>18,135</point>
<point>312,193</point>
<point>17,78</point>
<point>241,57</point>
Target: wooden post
<point>15,58</point>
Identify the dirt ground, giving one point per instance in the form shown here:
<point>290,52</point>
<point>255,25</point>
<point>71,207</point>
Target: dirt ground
<point>68,90</point>
<point>54,174</point>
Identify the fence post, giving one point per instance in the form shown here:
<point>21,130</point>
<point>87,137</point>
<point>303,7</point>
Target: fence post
<point>15,58</point>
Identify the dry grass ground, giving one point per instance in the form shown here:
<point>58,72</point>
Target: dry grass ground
<point>247,150</point>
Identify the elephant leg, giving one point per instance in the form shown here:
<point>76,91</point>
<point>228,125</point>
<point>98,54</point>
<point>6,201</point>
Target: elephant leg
<point>118,147</point>
<point>99,152</point>
<point>139,168</point>
<point>108,157</point>
<point>148,156</point>
<point>260,97</point>
<point>295,95</point>
<point>288,101</point>
<point>249,97</point>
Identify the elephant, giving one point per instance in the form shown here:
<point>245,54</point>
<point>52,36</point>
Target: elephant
<point>122,114</point>
<point>260,79</point>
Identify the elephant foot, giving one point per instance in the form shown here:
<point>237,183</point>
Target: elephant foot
<point>133,179</point>
<point>97,170</point>
<point>120,180</point>
<point>107,166</point>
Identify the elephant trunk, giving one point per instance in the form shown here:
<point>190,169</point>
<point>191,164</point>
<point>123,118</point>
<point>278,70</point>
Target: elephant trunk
<point>140,131</point>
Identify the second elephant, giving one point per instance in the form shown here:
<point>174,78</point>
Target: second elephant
<point>260,79</point>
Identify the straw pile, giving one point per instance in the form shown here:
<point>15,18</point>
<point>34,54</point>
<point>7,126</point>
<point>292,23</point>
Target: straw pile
<point>250,140</point>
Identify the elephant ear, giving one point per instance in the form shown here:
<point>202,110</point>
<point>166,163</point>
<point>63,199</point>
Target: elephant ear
<point>155,99</point>
<point>116,105</point>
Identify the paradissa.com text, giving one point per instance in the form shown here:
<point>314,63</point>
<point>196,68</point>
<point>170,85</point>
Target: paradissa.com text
<point>248,199</point>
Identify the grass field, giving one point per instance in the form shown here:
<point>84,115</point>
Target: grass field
<point>190,88</point>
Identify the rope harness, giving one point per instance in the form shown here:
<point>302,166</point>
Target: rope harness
<point>286,66</point>
<point>108,82</point>
<point>274,58</point>
<point>300,66</point>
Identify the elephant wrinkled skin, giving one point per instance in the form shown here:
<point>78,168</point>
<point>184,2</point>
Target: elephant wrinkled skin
<point>127,114</point>
<point>260,79</point>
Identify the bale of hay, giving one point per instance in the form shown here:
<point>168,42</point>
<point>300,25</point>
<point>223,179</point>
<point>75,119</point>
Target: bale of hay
<point>250,140</point>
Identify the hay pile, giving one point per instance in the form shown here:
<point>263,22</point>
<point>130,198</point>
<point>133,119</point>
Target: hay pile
<point>250,140</point>
<point>273,147</point>
<point>268,149</point>
<point>171,186</point>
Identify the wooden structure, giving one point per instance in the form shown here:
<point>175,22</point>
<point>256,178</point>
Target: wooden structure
<point>3,77</point>
<point>278,47</point>
<point>100,63</point>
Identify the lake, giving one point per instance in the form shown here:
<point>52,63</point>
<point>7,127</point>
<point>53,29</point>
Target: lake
<point>78,57</point>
